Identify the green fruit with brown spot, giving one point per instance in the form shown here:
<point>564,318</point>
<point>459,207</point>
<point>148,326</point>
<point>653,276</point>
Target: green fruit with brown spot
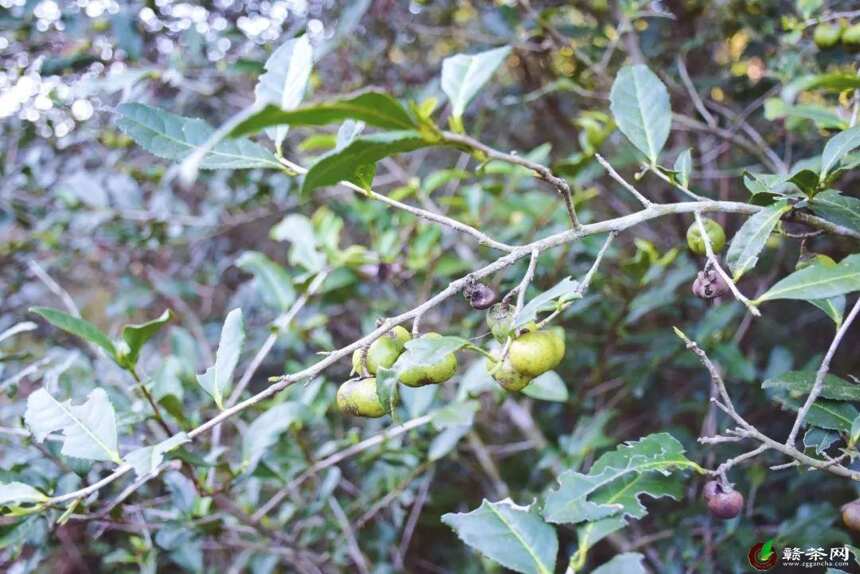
<point>507,376</point>
<point>535,353</point>
<point>851,36</point>
<point>439,372</point>
<point>358,397</point>
<point>383,352</point>
<point>715,232</point>
<point>826,35</point>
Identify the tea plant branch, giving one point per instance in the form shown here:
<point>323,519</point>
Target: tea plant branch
<point>694,95</point>
<point>279,325</point>
<point>615,175</point>
<point>335,458</point>
<point>559,183</point>
<point>674,183</point>
<point>822,373</point>
<point>417,211</point>
<point>351,544</point>
<point>279,383</point>
<point>709,250</point>
<point>747,430</point>
<point>584,284</point>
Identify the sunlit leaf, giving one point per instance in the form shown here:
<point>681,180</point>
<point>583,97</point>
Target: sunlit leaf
<point>287,72</point>
<point>146,459</point>
<point>89,429</point>
<point>463,75</point>
<point>218,379</point>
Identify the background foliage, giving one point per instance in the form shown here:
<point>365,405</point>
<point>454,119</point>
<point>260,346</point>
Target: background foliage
<point>95,225</point>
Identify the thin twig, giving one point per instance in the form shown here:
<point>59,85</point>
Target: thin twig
<point>822,373</point>
<point>617,177</point>
<point>543,172</point>
<point>351,543</point>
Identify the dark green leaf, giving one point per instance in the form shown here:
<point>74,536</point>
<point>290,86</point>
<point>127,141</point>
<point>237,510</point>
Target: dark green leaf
<point>136,336</point>
<point>838,208</point>
<point>356,162</point>
<point>78,327</point>
<point>798,384</point>
<point>818,281</point>
<point>372,107</point>
<point>838,147</point>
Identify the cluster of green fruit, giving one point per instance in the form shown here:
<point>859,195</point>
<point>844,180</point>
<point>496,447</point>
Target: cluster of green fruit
<point>359,396</point>
<point>531,352</point>
<point>828,35</point>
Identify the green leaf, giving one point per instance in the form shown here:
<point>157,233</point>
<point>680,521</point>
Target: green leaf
<point>564,290</point>
<point>175,138</point>
<point>264,432</point>
<point>798,384</point>
<point>446,441</point>
<point>818,281</point>
<point>146,459</point>
<point>838,147</point>
<point>833,81</point>
<point>18,493</point>
<point>387,389</point>
<point>218,379</point>
<point>272,280</point>
<point>834,307</point>
<point>514,536</point>
<point>298,230</point>
<point>683,167</point>
<point>356,162</point>
<point>464,74</point>
<point>456,414</point>
<point>136,336</point>
<point>78,327</point>
<point>617,479</point>
<point>371,107</point>
<point>841,209</point>
<point>640,105</point>
<point>855,430</point>
<point>806,180</point>
<point>547,387</point>
<point>819,439</point>
<point>833,415</point>
<point>287,72</point>
<point>89,429</point>
<point>627,563</point>
<point>426,351</point>
<point>752,237</point>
